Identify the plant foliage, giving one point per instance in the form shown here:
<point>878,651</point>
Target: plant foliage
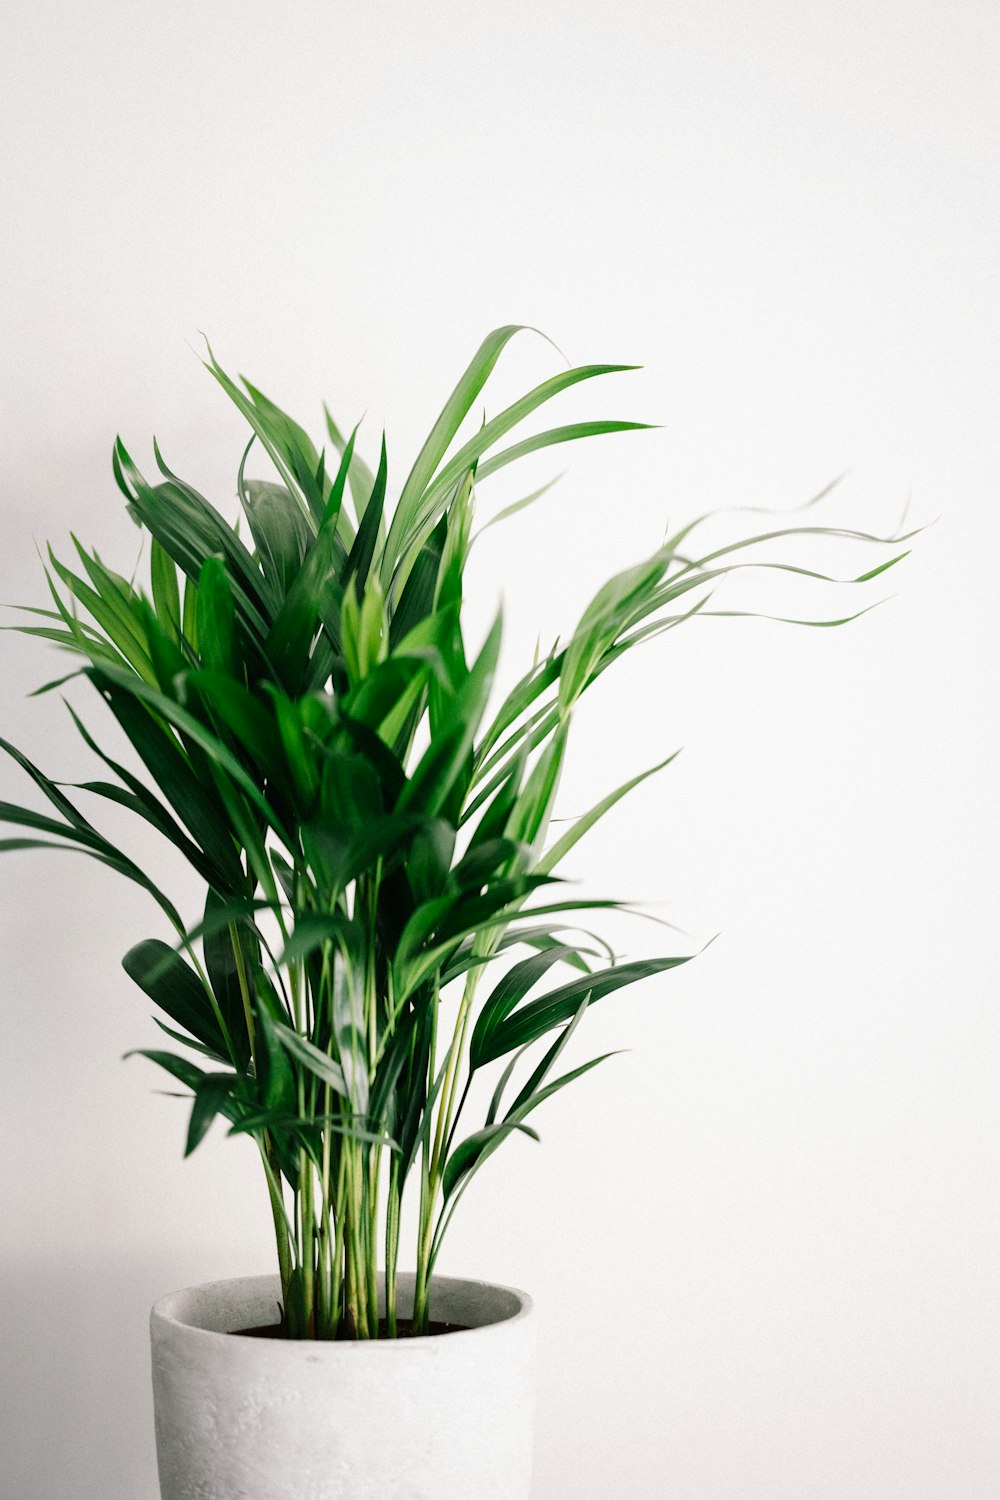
<point>318,740</point>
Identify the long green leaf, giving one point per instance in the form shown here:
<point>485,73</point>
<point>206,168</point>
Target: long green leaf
<point>311,1058</point>
<point>210,1098</point>
<point>406,522</point>
<point>582,825</point>
<point>491,432</point>
<point>434,777</point>
<point>550,439</point>
<point>506,1028</point>
<point>173,985</point>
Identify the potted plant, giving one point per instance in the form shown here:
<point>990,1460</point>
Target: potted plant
<point>383,923</point>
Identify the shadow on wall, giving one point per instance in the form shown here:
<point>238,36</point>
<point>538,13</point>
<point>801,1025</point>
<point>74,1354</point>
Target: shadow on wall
<point>76,1410</point>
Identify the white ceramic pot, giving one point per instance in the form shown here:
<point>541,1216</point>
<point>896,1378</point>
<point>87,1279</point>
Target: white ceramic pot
<point>448,1417</point>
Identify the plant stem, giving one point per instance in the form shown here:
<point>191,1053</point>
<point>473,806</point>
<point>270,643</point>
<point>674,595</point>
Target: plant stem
<point>371,1244</point>
<point>241,975</point>
<point>308,1252</point>
<point>391,1247</point>
<point>421,1289</point>
<point>357,1311</point>
<point>428,1190</point>
<point>280,1217</point>
<point>339,1247</point>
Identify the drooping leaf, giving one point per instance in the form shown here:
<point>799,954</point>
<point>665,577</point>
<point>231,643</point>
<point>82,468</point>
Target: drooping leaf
<point>310,1057</point>
<point>190,530</point>
<point>473,1151</point>
<point>181,1068</point>
<point>174,986</point>
<point>211,1095</point>
<point>118,623</point>
<point>469,1156</point>
<point>84,840</point>
<point>568,434</point>
<point>507,1028</point>
<point>195,803</point>
<point>552,857</point>
<point>231,956</point>
<point>512,988</point>
<point>280,531</point>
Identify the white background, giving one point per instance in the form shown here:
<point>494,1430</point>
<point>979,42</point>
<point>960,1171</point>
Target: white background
<point>765,1240</point>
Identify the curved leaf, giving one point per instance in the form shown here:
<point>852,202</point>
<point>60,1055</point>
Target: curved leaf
<point>506,1028</point>
<point>174,986</point>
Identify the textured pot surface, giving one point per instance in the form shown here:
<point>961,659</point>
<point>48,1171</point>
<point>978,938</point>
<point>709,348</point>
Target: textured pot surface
<point>448,1417</point>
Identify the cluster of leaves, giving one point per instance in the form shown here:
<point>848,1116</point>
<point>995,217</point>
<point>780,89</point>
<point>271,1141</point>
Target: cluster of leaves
<point>318,744</point>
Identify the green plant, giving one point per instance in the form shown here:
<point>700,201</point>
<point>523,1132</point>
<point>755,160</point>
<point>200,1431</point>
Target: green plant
<point>319,747</point>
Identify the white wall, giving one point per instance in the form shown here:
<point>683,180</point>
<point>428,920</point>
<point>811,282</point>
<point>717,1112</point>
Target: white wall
<point>765,1240</point>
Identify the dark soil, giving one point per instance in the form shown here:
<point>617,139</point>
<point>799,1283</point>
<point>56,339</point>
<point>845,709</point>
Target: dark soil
<point>403,1329</point>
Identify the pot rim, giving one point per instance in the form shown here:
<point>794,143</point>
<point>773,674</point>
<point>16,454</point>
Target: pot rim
<point>165,1312</point>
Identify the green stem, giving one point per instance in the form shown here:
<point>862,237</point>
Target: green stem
<point>282,1228</point>
<point>357,1311</point>
<point>339,1249</point>
<point>446,1109</point>
<point>271,1170</point>
<point>392,1247</point>
<point>308,1251</point>
<point>421,1291</point>
<point>371,1246</point>
<point>327,1299</point>
<point>241,975</point>
<point>427,1195</point>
